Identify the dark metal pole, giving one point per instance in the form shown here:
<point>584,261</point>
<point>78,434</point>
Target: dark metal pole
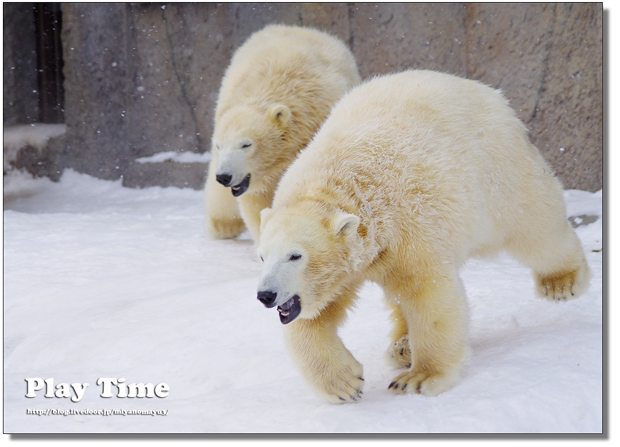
<point>48,27</point>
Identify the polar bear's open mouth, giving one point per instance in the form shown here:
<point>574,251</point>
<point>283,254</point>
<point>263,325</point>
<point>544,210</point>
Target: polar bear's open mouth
<point>242,187</point>
<point>290,310</point>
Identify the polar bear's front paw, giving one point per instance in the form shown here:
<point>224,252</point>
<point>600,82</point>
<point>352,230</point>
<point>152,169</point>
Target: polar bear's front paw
<point>342,384</point>
<point>429,384</point>
<point>219,228</point>
<point>560,287</point>
<point>398,354</point>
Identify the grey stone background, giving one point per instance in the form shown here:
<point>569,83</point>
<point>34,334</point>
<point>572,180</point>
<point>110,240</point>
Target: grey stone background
<point>19,92</point>
<point>143,78</point>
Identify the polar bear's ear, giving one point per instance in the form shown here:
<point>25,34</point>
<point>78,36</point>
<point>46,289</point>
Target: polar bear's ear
<point>344,224</point>
<point>279,113</point>
<point>264,215</point>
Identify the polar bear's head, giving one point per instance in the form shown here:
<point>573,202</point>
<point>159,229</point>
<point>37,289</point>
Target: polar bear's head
<point>306,254</point>
<point>247,141</point>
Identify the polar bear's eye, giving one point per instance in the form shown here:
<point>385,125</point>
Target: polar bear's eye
<point>246,145</point>
<point>294,257</point>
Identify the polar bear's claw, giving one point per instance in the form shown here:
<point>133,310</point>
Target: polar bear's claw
<point>349,392</point>
<point>343,385</point>
<point>563,286</point>
<point>428,384</point>
<point>398,354</point>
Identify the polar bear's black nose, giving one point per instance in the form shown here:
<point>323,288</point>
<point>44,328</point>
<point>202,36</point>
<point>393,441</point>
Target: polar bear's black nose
<point>224,179</point>
<point>267,298</point>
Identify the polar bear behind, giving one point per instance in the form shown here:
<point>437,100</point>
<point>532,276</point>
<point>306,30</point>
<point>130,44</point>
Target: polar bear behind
<point>277,91</point>
<point>411,175</point>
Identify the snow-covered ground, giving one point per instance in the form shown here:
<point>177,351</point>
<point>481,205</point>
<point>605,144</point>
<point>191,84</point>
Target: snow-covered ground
<point>102,281</point>
<point>178,157</point>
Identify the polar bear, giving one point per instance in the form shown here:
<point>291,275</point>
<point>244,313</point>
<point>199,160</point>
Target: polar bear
<point>410,175</point>
<point>277,91</point>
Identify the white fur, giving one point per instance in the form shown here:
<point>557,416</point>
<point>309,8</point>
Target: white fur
<point>277,91</point>
<point>282,275</point>
<point>411,175</point>
<point>233,159</point>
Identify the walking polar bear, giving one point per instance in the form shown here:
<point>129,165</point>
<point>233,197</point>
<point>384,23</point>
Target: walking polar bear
<point>277,91</point>
<point>411,175</point>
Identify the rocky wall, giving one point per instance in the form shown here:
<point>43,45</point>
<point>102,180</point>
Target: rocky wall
<point>19,93</point>
<point>143,78</point>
